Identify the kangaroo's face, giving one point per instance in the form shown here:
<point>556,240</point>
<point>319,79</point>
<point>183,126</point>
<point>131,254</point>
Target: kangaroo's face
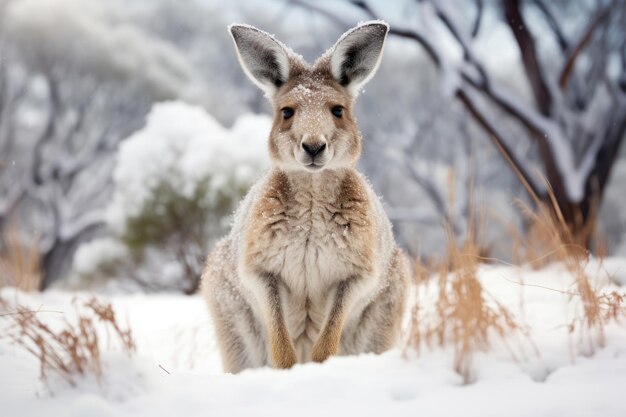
<point>314,126</point>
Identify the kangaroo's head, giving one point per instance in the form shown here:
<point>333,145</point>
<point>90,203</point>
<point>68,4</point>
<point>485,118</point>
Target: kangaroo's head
<point>314,125</point>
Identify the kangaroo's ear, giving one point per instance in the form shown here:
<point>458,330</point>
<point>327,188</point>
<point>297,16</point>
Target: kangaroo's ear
<point>264,60</point>
<point>356,55</point>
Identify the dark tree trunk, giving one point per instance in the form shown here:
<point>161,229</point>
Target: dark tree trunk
<point>57,261</point>
<point>581,217</point>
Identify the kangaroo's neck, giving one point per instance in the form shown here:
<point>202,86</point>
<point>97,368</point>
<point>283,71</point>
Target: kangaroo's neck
<point>318,185</point>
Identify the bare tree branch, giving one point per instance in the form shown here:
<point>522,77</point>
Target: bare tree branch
<point>403,33</point>
<point>537,125</point>
<point>546,10</point>
<point>322,11</point>
<point>479,17</point>
<point>528,52</point>
<point>621,82</point>
<point>597,73</point>
<point>580,45</point>
<point>576,157</point>
<point>498,140</point>
<point>468,54</point>
<point>498,97</point>
<point>47,133</point>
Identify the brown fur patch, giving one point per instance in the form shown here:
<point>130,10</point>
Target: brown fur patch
<point>355,216</point>
<point>268,215</point>
<point>329,340</point>
<point>281,347</point>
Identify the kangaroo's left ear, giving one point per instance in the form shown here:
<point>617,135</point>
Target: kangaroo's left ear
<point>356,55</point>
<point>264,60</point>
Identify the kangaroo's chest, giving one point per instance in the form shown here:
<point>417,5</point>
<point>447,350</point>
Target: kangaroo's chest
<point>316,245</point>
<point>312,235</point>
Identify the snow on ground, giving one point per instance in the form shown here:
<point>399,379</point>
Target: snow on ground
<point>176,370</point>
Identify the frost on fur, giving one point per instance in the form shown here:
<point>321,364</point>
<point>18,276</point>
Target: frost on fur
<point>312,225</point>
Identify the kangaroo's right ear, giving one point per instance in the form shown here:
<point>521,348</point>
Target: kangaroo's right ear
<point>356,55</point>
<point>264,60</point>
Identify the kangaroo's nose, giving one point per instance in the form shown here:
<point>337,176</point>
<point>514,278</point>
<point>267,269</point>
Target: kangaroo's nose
<point>314,148</point>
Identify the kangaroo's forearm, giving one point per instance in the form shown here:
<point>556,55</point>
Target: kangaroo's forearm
<point>281,348</point>
<point>330,337</point>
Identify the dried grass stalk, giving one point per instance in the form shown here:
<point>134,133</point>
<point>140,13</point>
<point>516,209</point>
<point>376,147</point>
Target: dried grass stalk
<point>72,349</point>
<point>19,262</point>
<point>550,239</point>
<point>463,317</point>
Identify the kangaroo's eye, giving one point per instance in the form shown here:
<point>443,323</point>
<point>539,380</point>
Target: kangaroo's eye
<point>337,111</point>
<point>287,112</point>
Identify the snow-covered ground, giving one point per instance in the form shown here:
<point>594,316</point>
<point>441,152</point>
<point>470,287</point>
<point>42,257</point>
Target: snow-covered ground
<point>176,370</point>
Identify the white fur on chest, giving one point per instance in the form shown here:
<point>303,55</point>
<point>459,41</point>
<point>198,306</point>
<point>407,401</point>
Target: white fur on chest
<point>317,256</point>
<point>312,237</point>
<point>314,244</point>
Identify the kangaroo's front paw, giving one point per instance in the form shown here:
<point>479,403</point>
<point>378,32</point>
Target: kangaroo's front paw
<point>324,347</point>
<point>283,355</point>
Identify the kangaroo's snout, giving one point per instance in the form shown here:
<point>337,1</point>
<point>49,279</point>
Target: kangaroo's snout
<point>314,147</point>
<point>314,152</point>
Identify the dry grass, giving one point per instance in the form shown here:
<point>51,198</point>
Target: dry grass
<point>550,240</point>
<point>67,348</point>
<point>465,316</point>
<point>19,263</point>
<point>594,309</point>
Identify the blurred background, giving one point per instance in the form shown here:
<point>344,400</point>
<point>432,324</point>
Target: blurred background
<point>129,133</point>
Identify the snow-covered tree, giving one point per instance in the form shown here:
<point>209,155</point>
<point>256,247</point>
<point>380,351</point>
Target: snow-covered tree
<point>573,106</point>
<point>75,79</point>
<point>176,183</point>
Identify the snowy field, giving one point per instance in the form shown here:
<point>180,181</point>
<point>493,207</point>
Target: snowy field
<point>176,369</point>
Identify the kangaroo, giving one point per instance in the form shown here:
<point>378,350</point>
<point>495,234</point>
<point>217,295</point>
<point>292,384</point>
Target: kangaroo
<point>310,268</point>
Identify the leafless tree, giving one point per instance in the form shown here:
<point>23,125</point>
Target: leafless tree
<point>577,117</point>
<point>62,118</point>
<point>57,183</point>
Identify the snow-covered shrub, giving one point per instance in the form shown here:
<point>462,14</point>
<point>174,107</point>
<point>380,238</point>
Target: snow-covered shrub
<point>176,183</point>
<point>100,258</point>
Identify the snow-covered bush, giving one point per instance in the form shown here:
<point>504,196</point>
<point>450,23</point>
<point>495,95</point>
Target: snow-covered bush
<point>176,183</point>
<point>100,258</point>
